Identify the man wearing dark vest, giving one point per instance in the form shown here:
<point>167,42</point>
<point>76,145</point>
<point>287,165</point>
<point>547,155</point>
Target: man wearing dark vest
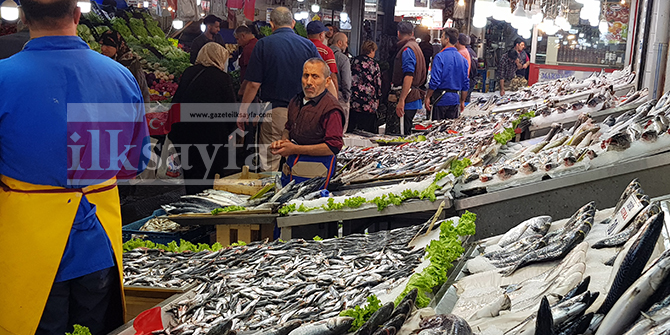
<point>409,71</point>
<point>313,133</point>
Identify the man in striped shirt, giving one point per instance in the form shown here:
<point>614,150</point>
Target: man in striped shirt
<point>316,32</point>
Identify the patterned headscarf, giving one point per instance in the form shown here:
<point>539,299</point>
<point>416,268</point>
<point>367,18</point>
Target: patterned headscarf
<point>123,53</point>
<point>213,54</point>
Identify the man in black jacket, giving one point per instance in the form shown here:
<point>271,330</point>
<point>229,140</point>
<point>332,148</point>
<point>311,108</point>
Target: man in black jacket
<point>13,43</point>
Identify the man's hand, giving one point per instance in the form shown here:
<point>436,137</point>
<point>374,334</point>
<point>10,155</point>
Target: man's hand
<point>427,103</point>
<point>400,108</point>
<point>462,106</point>
<point>284,148</point>
<point>242,117</point>
<point>502,91</point>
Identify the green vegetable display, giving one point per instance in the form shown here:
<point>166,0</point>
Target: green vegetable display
<point>505,136</point>
<point>137,26</point>
<point>228,209</point>
<point>441,253</point>
<point>401,139</point>
<point>80,330</point>
<point>267,31</point>
<point>300,29</point>
<point>101,30</point>
<point>361,315</point>
<point>119,25</point>
<point>152,26</point>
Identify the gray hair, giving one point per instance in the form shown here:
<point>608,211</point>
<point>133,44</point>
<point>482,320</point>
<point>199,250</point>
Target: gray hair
<point>324,65</point>
<point>281,17</point>
<point>338,37</point>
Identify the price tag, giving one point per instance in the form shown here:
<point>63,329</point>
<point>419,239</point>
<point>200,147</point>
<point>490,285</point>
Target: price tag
<point>628,211</point>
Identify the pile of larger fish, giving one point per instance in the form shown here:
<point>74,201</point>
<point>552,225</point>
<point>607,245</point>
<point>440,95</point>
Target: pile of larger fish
<point>263,285</point>
<point>274,196</point>
<point>635,300</point>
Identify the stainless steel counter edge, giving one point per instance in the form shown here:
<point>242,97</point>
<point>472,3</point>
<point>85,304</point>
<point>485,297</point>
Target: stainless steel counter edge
<point>411,206</point>
<point>574,179</point>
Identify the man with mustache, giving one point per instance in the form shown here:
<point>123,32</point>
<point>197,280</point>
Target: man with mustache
<point>313,133</point>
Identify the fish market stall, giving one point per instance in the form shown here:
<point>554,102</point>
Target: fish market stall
<point>273,284</point>
<point>595,272</point>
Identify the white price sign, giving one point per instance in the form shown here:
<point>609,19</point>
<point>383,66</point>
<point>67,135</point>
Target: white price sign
<point>627,212</point>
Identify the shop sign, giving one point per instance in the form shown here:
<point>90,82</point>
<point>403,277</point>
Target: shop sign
<point>267,14</point>
<point>327,15</point>
<point>627,212</point>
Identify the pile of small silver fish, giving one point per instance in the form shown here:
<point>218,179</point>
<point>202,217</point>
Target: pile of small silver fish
<point>261,285</point>
<point>533,243</point>
<point>445,140</point>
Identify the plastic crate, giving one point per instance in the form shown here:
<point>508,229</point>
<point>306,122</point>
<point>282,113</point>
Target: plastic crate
<point>200,234</point>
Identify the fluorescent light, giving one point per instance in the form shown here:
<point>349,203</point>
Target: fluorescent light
<point>146,4</point>
<point>461,3</point>
<point>315,8</point>
<point>479,21</point>
<point>10,11</point>
<point>84,5</point>
<point>177,24</point>
<point>203,27</point>
<point>297,16</point>
<point>344,16</point>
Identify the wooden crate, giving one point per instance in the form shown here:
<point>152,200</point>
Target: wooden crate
<point>227,234</point>
<point>141,298</point>
<point>244,182</point>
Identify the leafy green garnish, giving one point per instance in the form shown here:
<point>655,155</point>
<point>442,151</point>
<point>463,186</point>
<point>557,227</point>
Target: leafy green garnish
<point>80,330</point>
<point>317,238</point>
<point>361,315</point>
<point>228,209</point>
<point>441,253</point>
<point>458,167</point>
<point>174,247</point>
<point>505,136</point>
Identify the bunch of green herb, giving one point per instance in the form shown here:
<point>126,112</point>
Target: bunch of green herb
<point>137,26</point>
<point>120,26</point>
<point>228,209</point>
<point>362,315</point>
<point>458,166</point>
<point>80,330</point>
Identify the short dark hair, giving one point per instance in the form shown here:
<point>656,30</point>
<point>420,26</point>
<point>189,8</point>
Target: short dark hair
<point>451,34</point>
<point>512,54</point>
<point>368,47</point>
<point>463,39</point>
<point>519,40</point>
<point>328,25</point>
<point>242,30</point>
<point>405,28</point>
<point>48,14</point>
<point>211,19</point>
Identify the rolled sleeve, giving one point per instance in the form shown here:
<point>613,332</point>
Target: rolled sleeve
<point>332,123</point>
<point>408,62</point>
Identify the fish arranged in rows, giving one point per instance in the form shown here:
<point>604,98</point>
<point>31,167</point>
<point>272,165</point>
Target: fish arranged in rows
<point>530,242</point>
<point>550,90</point>
<point>265,285</point>
<point>445,141</point>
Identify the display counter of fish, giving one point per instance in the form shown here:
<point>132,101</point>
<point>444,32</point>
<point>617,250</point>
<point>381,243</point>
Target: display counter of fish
<point>262,285</point>
<point>586,145</point>
<point>209,200</point>
<point>559,89</point>
<point>446,140</point>
<point>551,112</point>
<point>575,295</point>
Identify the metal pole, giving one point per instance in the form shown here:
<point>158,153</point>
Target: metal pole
<point>657,49</point>
<point>357,7</point>
<point>533,45</point>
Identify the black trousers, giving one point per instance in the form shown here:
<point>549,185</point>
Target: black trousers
<point>93,300</point>
<point>445,112</point>
<point>409,116</point>
<point>362,121</point>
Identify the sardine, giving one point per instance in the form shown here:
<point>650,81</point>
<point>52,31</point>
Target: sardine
<point>333,326</point>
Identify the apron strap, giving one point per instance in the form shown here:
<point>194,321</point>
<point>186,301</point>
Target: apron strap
<point>297,157</point>
<point>6,188</point>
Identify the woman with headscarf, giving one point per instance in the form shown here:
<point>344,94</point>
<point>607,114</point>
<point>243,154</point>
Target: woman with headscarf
<point>205,82</point>
<point>114,46</point>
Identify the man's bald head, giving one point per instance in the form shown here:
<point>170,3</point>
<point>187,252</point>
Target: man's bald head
<point>281,17</point>
<point>339,37</point>
<point>50,14</point>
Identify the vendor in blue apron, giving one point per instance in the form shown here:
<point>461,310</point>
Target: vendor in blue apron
<point>313,133</point>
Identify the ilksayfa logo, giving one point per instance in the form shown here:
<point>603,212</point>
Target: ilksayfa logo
<point>105,141</point>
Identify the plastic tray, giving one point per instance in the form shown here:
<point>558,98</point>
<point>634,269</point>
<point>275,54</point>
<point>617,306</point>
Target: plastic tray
<point>196,235</point>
